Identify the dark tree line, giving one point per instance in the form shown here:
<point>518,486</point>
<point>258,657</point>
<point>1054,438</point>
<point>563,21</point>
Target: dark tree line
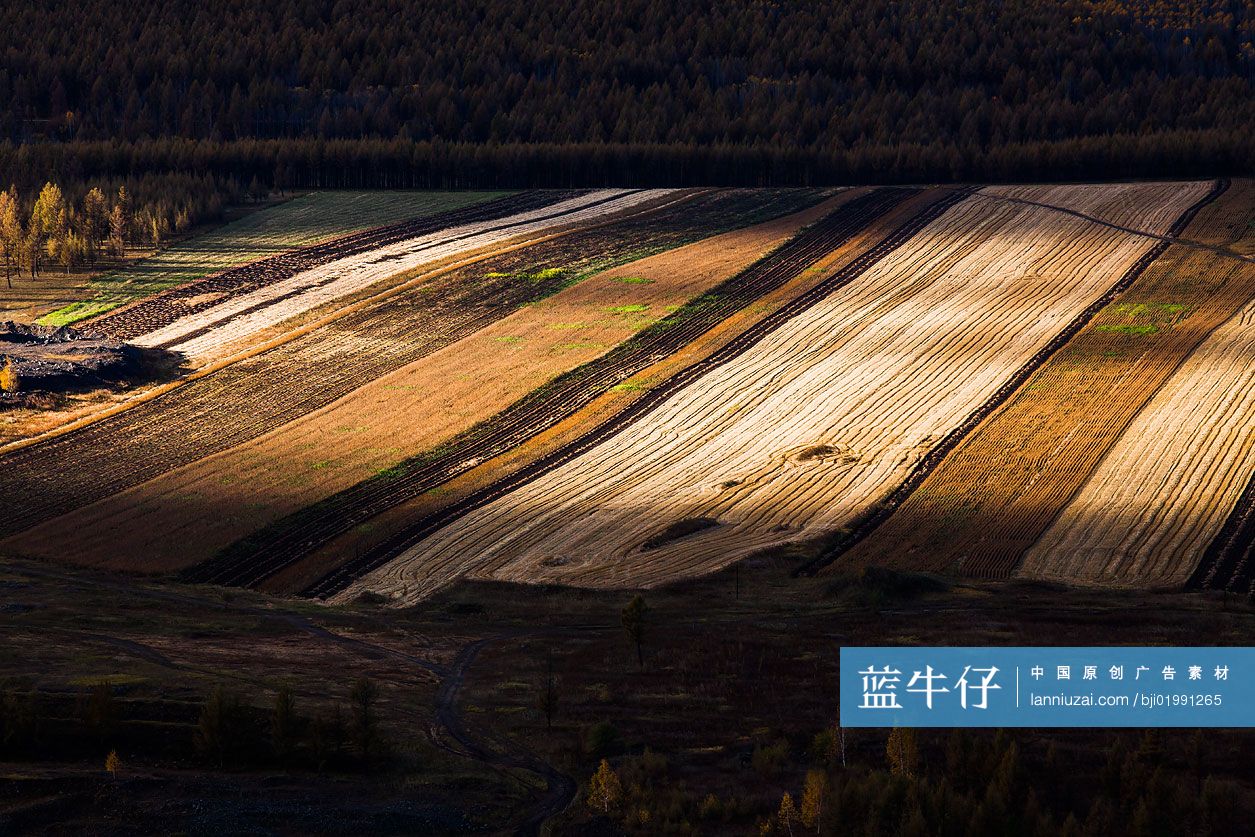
<point>483,92</point>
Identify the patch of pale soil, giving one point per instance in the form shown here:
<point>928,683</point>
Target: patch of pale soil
<point>365,537</point>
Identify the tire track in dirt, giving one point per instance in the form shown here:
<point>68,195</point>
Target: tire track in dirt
<point>560,789</point>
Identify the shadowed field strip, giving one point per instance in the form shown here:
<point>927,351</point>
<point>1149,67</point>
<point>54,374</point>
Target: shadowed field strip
<point>424,278</point>
<point>1147,513</point>
<point>1229,560</point>
<point>997,492</point>
<point>253,396</point>
<point>816,420</point>
<point>782,289</point>
<point>183,517</point>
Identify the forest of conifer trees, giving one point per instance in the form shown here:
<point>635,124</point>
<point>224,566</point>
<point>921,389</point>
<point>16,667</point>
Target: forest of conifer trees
<point>319,93</point>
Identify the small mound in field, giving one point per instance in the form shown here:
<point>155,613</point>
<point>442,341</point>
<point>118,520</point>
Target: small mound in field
<point>815,452</point>
<point>46,359</point>
<point>677,530</point>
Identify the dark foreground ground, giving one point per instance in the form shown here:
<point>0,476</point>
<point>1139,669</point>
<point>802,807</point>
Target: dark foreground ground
<point>489,708</point>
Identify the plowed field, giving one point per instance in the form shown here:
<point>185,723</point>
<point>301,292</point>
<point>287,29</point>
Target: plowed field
<point>994,496</point>
<point>817,419</point>
<point>253,396</point>
<point>180,515</point>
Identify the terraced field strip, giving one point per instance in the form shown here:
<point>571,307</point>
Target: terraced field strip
<point>242,317</point>
<point>1147,514</point>
<point>189,298</point>
<point>290,540</point>
<point>991,498</point>
<point>255,395</point>
<point>300,222</point>
<point>183,517</point>
<point>808,425</point>
<point>768,275</point>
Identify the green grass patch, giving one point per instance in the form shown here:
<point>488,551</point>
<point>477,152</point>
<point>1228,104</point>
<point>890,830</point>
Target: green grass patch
<point>736,215</point>
<point>628,386</point>
<point>1134,310</point>
<point>585,344</point>
<point>633,280</point>
<point>76,311</point>
<point>510,338</point>
<point>534,276</point>
<point>1129,330</point>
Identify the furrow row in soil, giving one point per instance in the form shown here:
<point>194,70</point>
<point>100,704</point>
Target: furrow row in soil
<point>810,423</point>
<point>185,516</point>
<point>994,496</point>
<point>238,321</point>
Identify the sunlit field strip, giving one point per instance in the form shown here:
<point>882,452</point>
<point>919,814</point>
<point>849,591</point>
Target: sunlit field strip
<point>184,516</point>
<point>298,222</point>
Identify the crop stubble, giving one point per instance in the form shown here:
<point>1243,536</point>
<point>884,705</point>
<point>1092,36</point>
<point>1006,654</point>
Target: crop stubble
<point>232,324</point>
<point>1164,491</point>
<point>290,540</point>
<point>149,315</point>
<point>774,272</point>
